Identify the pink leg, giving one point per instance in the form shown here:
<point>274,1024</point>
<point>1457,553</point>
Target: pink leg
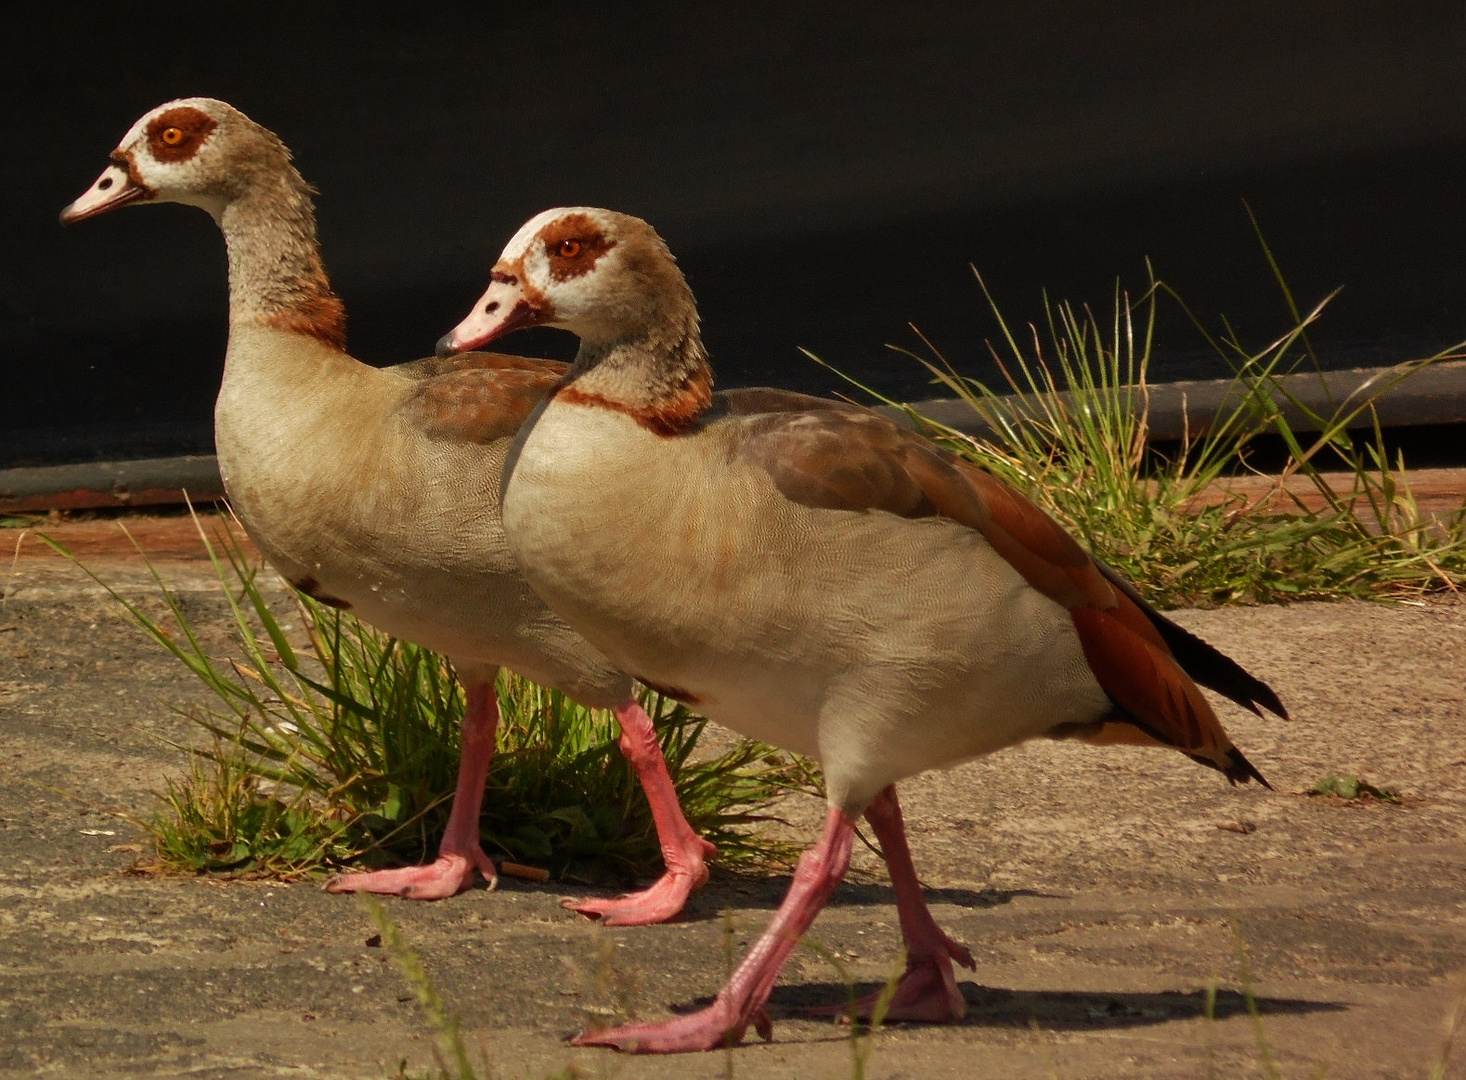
<point>460,856</point>
<point>683,850</point>
<point>741,1002</point>
<point>928,989</point>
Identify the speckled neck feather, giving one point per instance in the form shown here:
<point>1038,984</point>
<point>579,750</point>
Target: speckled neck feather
<point>275,272</point>
<point>656,371</point>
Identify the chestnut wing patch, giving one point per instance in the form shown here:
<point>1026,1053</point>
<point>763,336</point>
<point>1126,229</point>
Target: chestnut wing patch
<point>846,458</point>
<point>476,397</point>
<point>1203,662</point>
<point>835,460</point>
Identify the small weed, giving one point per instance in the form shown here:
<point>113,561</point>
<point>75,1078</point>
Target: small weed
<point>1347,786</point>
<point>1244,970</point>
<point>862,1034</point>
<point>219,816</point>
<point>450,1050</point>
<point>609,990</point>
<point>1436,1068</point>
<point>1450,1026</point>
<point>343,747</point>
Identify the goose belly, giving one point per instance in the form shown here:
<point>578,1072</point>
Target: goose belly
<point>395,555</point>
<point>880,645</point>
<point>411,542</point>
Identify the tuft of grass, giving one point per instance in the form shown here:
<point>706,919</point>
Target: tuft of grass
<point>1072,431</point>
<point>332,743</point>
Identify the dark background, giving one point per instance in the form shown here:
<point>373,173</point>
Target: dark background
<point>825,173</point>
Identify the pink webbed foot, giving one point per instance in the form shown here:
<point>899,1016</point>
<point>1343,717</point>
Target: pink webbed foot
<point>741,1002</point>
<point>684,852</point>
<point>460,858</point>
<point>447,876</point>
<point>926,993</point>
<point>927,990</point>
<point>661,901</point>
<point>717,1025</point>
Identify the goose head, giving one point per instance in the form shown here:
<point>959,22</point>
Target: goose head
<point>197,151</point>
<point>603,276</point>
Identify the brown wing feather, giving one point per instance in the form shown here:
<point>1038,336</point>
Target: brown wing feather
<point>1037,545</point>
<point>835,460</point>
<point>476,397</point>
<point>752,400</point>
<point>851,459</point>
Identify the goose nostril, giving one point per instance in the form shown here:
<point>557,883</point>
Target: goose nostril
<point>491,307</point>
<point>104,183</point>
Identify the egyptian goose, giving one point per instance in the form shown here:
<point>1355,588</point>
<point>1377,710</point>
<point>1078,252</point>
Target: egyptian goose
<point>828,581</point>
<point>378,489</point>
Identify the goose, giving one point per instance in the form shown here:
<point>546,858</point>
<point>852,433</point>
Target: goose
<point>377,490</point>
<point>829,582</point>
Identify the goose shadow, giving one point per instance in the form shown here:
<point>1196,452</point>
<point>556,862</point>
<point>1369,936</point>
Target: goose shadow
<point>989,1006</point>
<point>1054,1010</point>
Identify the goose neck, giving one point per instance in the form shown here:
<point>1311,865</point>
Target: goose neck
<point>659,376</point>
<point>276,277</point>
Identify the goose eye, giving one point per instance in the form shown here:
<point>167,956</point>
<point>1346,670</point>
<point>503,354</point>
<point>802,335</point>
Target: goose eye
<point>172,136</point>
<point>568,249</point>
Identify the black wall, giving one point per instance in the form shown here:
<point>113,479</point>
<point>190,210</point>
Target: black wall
<point>825,173</point>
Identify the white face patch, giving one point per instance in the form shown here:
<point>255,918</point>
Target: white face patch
<point>579,303</point>
<point>524,240</point>
<point>136,137</point>
<point>520,242</point>
<point>535,265</point>
<point>182,179</point>
<point>527,255</point>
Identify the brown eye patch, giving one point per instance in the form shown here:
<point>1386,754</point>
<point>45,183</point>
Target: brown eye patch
<point>574,244</point>
<point>177,134</point>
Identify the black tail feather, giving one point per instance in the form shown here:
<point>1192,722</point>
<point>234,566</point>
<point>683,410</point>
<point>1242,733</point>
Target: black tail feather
<point>1238,769</point>
<point>1205,663</point>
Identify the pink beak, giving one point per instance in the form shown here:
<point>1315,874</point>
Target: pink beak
<point>114,188</point>
<point>503,308</point>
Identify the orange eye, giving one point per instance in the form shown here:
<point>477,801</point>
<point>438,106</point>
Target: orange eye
<point>172,136</point>
<point>568,249</point>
